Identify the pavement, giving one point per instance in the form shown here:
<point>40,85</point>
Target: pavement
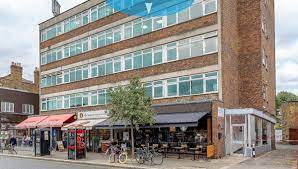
<point>283,158</point>
<point>95,159</point>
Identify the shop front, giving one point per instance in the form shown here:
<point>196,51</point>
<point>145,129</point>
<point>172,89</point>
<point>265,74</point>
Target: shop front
<point>53,125</point>
<point>27,127</point>
<point>248,130</point>
<point>179,128</point>
<point>83,130</point>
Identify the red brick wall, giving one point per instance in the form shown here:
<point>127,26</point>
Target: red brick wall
<point>229,53</point>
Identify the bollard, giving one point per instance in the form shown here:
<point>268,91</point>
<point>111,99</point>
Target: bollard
<point>253,151</point>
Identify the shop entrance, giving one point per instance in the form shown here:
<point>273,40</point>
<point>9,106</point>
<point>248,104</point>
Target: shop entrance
<point>238,143</point>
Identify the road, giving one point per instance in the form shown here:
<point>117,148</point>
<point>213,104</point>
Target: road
<point>285,157</point>
<point>19,163</point>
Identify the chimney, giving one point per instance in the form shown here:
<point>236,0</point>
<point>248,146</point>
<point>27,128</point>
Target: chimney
<point>16,71</point>
<point>36,76</point>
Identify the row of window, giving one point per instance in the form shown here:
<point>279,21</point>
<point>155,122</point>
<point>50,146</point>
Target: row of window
<point>28,109</point>
<point>186,48</point>
<point>129,30</point>
<point>100,11</point>
<point>7,107</point>
<point>181,86</point>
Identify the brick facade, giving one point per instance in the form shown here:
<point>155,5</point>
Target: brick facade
<point>15,80</point>
<point>289,113</point>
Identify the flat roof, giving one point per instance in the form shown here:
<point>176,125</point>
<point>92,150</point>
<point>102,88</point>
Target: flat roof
<point>69,13</point>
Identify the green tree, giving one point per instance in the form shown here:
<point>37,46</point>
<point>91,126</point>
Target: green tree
<point>284,96</point>
<point>130,105</point>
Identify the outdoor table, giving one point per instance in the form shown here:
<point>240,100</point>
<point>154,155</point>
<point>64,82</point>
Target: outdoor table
<point>164,150</point>
<point>194,152</point>
<point>179,151</point>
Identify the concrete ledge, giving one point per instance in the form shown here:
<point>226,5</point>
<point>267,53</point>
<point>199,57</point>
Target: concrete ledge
<point>78,162</point>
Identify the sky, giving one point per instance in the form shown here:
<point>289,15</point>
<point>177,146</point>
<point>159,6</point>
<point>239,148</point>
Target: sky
<point>19,37</point>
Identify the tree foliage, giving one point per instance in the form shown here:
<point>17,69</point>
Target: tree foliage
<point>283,97</point>
<point>130,105</point>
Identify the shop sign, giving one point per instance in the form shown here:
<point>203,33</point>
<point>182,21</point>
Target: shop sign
<point>92,115</point>
<point>221,112</point>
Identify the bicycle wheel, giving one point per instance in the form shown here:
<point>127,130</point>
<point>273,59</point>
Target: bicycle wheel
<point>112,158</point>
<point>140,158</point>
<point>157,158</point>
<point>123,158</point>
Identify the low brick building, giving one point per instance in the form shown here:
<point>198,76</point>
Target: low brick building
<point>19,98</point>
<point>289,112</point>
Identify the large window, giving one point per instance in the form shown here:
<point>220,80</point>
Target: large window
<point>173,87</point>
<point>135,28</point>
<point>98,12</point>
<point>182,49</point>
<point>27,109</point>
<point>7,107</point>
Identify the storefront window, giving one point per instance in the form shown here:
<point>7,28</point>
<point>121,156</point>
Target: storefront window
<point>264,132</point>
<point>258,131</point>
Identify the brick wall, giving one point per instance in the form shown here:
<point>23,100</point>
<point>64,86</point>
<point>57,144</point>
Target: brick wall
<point>229,53</point>
<point>242,41</point>
<point>290,118</point>
<point>15,81</point>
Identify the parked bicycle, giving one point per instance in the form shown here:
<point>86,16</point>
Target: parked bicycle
<point>116,154</point>
<point>145,154</point>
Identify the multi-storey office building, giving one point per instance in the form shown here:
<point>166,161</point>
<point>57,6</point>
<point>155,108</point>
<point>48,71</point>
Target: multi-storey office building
<point>215,58</point>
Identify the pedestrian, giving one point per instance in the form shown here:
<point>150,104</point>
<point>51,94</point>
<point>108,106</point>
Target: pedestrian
<point>13,141</point>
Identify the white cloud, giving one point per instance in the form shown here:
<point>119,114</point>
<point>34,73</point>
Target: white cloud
<point>286,45</point>
<point>19,31</point>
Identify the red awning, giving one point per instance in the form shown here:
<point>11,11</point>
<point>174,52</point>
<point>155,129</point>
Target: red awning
<point>31,122</point>
<point>56,120</point>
